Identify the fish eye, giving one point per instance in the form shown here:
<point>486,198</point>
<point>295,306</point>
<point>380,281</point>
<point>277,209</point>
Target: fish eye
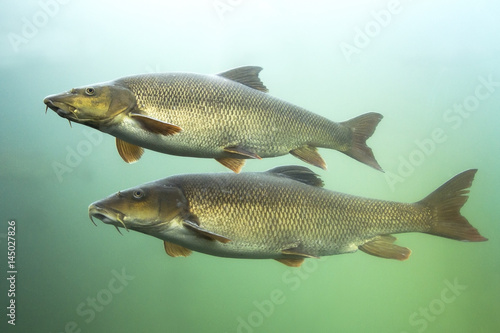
<point>90,91</point>
<point>138,194</point>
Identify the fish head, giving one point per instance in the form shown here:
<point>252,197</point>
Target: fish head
<point>149,208</point>
<point>94,105</point>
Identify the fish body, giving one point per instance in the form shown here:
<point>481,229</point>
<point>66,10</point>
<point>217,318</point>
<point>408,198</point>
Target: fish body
<point>228,116</point>
<point>281,214</point>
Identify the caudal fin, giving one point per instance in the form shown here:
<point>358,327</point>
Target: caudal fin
<point>362,128</point>
<point>446,202</point>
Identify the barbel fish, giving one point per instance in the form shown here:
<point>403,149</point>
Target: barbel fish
<point>228,117</point>
<point>282,214</point>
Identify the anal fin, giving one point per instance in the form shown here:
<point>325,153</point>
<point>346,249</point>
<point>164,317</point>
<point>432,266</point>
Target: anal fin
<point>203,232</point>
<point>175,250</point>
<point>291,262</point>
<point>154,125</point>
<point>310,155</point>
<point>235,164</point>
<point>129,153</point>
<point>382,246</point>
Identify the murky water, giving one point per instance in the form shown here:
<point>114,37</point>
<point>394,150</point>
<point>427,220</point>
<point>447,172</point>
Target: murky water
<point>433,71</point>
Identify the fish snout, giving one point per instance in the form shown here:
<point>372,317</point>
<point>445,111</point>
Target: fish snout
<point>49,105</point>
<point>106,215</point>
<point>102,214</point>
<point>61,108</point>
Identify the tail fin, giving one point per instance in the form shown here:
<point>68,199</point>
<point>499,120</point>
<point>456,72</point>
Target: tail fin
<point>445,203</point>
<point>362,128</point>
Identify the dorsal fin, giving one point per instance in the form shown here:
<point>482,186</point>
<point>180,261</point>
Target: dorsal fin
<point>298,173</point>
<point>247,75</point>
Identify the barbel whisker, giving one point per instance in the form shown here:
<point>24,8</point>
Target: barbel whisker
<point>123,223</point>
<point>117,229</point>
<point>91,219</point>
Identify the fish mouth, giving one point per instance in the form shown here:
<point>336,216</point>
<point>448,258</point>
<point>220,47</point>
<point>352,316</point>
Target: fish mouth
<point>62,109</point>
<point>107,216</point>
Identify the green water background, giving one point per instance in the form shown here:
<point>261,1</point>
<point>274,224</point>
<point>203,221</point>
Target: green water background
<point>412,66</point>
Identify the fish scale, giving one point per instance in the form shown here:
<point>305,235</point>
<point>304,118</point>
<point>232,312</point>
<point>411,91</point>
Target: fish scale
<point>228,117</point>
<point>295,212</point>
<point>230,109</point>
<point>281,214</point>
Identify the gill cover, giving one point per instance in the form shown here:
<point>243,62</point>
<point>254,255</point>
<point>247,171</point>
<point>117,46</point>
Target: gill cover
<point>155,204</point>
<point>93,105</point>
<point>102,101</point>
<point>171,203</point>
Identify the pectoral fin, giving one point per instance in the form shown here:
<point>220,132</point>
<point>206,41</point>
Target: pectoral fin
<point>130,153</point>
<point>175,250</point>
<point>154,125</point>
<point>382,246</point>
<point>241,151</point>
<point>235,164</point>
<point>310,155</point>
<point>203,232</point>
<point>291,262</point>
<point>297,251</point>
